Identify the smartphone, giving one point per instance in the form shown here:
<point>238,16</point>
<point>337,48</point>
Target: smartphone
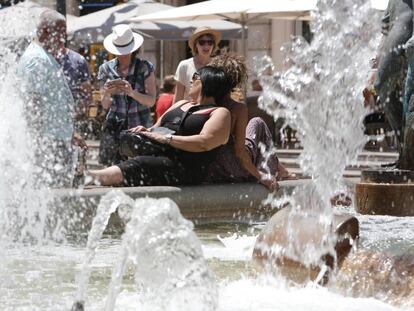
<point>115,81</point>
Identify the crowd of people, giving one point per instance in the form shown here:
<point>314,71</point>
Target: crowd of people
<point>205,134</point>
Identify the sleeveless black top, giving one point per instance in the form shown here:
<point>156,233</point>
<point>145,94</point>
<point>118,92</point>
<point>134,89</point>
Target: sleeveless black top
<point>187,123</point>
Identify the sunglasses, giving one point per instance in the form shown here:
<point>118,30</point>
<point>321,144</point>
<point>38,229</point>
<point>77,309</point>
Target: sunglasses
<point>204,42</point>
<point>195,76</point>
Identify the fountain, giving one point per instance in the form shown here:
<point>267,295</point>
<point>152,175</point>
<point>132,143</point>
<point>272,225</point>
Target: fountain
<point>170,270</point>
<point>319,99</point>
<point>158,264</point>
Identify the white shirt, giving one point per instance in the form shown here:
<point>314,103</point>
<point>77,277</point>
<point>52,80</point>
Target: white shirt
<point>184,74</point>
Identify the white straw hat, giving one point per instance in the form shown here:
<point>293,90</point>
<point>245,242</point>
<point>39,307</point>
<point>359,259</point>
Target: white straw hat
<point>122,40</point>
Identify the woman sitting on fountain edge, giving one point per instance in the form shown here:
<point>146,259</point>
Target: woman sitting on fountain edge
<point>242,159</point>
<point>194,147</point>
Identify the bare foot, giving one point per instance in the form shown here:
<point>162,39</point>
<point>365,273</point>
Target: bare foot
<point>283,173</point>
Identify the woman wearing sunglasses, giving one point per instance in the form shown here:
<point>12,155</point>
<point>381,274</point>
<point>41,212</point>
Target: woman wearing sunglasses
<point>200,128</point>
<point>203,42</point>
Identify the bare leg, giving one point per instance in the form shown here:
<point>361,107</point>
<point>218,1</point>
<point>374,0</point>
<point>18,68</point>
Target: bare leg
<point>110,176</point>
<point>282,173</point>
<point>257,132</point>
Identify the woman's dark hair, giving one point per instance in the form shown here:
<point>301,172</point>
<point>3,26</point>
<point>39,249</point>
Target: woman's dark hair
<point>214,83</point>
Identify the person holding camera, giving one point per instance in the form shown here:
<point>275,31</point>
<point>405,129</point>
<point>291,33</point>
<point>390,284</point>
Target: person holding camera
<point>128,90</point>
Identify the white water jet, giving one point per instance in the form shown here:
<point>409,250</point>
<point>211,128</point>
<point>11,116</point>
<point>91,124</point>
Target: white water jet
<point>320,95</point>
<point>23,205</point>
<point>170,271</point>
<point>55,278</point>
<point>108,205</point>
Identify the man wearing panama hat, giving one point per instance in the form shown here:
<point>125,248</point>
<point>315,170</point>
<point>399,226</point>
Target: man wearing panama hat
<point>203,42</point>
<point>128,88</point>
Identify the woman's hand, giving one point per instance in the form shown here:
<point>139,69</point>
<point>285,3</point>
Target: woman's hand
<point>77,140</point>
<point>269,181</point>
<point>111,88</point>
<point>138,129</point>
<point>160,138</point>
<point>126,88</point>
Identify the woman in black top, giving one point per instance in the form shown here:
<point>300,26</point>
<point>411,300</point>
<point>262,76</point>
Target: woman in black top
<point>205,128</point>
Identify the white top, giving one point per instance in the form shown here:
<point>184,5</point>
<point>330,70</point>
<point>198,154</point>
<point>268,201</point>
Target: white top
<point>184,74</point>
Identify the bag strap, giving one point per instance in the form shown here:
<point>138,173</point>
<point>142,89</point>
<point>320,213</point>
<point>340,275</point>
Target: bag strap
<point>136,69</point>
<point>133,83</point>
<point>208,111</point>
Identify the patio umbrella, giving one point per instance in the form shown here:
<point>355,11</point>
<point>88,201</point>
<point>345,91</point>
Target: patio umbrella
<point>181,30</point>
<point>242,12</point>
<point>94,27</point>
<point>380,5</point>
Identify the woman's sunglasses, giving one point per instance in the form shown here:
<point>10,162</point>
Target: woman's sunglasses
<point>204,42</point>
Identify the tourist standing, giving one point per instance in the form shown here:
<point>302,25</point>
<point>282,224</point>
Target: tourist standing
<point>50,104</point>
<point>76,70</point>
<point>203,42</point>
<point>128,89</point>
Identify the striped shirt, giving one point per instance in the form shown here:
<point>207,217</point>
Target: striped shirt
<point>123,106</point>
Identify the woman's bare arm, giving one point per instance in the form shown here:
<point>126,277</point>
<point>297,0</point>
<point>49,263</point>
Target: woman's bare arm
<point>215,132</point>
<point>106,92</point>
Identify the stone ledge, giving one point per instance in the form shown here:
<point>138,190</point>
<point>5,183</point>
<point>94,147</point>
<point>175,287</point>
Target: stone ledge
<point>202,204</point>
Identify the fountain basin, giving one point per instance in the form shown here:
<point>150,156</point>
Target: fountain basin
<point>202,204</point>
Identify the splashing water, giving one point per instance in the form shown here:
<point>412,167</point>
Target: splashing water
<point>41,278</point>
<point>170,271</point>
<point>32,157</point>
<point>318,95</point>
<point>109,204</point>
<point>319,92</point>
<point>23,205</point>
